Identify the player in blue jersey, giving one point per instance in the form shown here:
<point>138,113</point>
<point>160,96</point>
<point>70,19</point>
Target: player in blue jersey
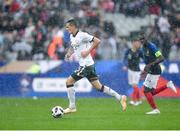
<point>131,64</point>
<point>152,58</point>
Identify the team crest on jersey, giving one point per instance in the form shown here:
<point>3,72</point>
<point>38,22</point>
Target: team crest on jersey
<point>75,44</point>
<point>129,56</point>
<point>147,53</point>
<point>136,55</point>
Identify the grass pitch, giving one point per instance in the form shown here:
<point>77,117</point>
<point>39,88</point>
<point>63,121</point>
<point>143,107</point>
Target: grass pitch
<point>93,114</point>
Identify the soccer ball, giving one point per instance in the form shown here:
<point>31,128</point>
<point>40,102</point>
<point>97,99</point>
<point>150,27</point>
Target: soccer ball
<point>57,111</point>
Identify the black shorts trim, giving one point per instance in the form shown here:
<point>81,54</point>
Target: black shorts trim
<point>76,78</point>
<point>85,71</point>
<point>68,86</point>
<point>102,89</point>
<point>146,89</point>
<point>92,79</point>
<point>92,40</point>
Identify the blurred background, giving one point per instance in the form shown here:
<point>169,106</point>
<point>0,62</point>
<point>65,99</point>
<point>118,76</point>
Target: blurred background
<point>33,41</point>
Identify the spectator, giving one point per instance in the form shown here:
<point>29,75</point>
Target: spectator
<point>163,24</point>
<point>36,23</point>
<point>154,7</point>
<point>39,35</point>
<point>23,49</point>
<point>107,5</point>
<point>164,28</point>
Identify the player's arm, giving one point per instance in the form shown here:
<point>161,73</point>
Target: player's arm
<point>159,59</point>
<point>125,62</point>
<point>141,54</point>
<point>95,44</point>
<point>70,51</point>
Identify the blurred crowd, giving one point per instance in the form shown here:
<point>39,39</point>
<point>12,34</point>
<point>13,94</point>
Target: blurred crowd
<point>34,29</point>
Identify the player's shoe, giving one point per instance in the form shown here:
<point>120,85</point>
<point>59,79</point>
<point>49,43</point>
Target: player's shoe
<point>138,103</point>
<point>170,84</point>
<point>132,103</point>
<point>135,103</point>
<point>123,102</point>
<point>69,110</point>
<point>153,112</point>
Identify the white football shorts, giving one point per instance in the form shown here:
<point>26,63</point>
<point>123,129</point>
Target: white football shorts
<point>151,81</point>
<point>133,77</point>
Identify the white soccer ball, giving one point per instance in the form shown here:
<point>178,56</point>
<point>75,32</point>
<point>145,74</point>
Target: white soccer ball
<point>57,111</point>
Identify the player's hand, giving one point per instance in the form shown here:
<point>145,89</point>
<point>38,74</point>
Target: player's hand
<point>125,68</point>
<point>84,53</point>
<point>143,75</point>
<point>147,67</point>
<point>67,56</point>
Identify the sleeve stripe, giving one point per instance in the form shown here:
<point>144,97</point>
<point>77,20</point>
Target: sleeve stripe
<point>158,53</point>
<point>92,39</point>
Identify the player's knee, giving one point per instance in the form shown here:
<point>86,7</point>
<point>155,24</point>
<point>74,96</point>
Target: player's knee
<point>146,90</point>
<point>93,79</point>
<point>101,89</point>
<point>134,85</point>
<point>69,83</point>
<point>96,84</point>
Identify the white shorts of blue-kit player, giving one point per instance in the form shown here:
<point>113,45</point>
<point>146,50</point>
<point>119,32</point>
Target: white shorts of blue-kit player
<point>133,77</point>
<point>151,81</point>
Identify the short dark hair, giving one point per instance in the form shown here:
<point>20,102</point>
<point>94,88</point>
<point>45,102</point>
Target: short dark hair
<point>142,37</point>
<point>139,37</point>
<point>72,22</point>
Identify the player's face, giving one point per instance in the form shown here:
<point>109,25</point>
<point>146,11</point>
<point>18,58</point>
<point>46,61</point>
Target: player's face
<point>70,28</point>
<point>137,44</point>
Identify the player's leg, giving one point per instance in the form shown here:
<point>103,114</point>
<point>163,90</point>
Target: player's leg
<point>133,80</point>
<point>136,88</point>
<point>150,90</point>
<point>122,98</point>
<point>162,88</point>
<point>130,82</point>
<point>105,89</point>
<point>71,91</point>
<point>71,95</point>
<point>91,75</point>
<point>150,99</point>
<point>149,85</point>
<point>138,95</point>
<point>135,96</point>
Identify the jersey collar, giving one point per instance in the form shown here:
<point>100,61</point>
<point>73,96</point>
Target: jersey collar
<point>74,35</point>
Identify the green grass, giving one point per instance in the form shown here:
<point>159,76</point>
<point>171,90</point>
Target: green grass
<point>93,113</point>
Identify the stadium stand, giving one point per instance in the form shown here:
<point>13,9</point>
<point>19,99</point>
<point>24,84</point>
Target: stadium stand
<point>29,27</point>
